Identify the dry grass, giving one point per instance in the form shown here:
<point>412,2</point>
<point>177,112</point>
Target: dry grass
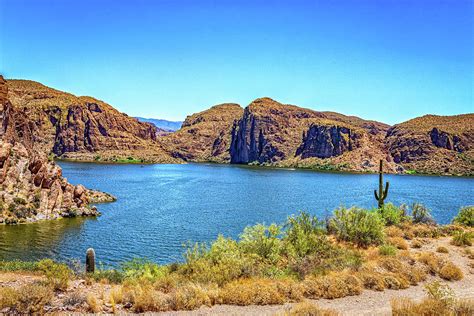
<point>94,305</point>
<point>431,306</point>
<point>398,242</point>
<point>260,292</point>
<point>416,244</point>
<point>451,272</point>
<point>442,249</point>
<point>307,308</point>
<point>334,285</point>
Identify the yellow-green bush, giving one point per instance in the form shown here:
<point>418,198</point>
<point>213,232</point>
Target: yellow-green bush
<point>359,226</point>
<point>57,274</point>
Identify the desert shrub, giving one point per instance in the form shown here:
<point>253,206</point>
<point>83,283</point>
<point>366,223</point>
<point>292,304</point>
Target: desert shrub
<point>304,234</point>
<point>252,292</point>
<point>440,292</point>
<point>391,214</point>
<point>393,231</point>
<point>57,274</point>
<point>334,259</point>
<point>406,306</point>
<point>111,275</point>
<point>398,242</point>
<point>421,214</point>
<point>387,250</point>
<point>75,298</point>
<point>192,296</point>
<point>17,265</point>
<point>93,303</point>
<point>307,308</point>
<point>416,244</point>
<point>432,262</point>
<point>359,226</point>
<point>33,297</point>
<point>395,282</point>
<point>462,238</point>
<point>8,297</point>
<point>372,280</point>
<point>465,216</point>
<point>450,271</point>
<point>442,249</point>
<point>333,285</point>
<point>221,262</point>
<point>263,241</point>
<point>142,269</point>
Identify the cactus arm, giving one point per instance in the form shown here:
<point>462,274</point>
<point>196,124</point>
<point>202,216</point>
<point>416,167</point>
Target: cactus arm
<point>376,195</point>
<point>385,192</point>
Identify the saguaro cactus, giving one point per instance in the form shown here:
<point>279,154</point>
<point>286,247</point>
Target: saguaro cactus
<point>90,260</point>
<point>382,195</point>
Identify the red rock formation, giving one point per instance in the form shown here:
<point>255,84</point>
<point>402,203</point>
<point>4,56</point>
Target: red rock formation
<point>31,186</point>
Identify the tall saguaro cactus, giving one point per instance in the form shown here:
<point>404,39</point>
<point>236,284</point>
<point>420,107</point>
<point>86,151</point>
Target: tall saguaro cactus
<point>382,195</point>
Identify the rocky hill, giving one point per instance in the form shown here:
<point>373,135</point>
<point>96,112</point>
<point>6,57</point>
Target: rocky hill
<point>286,135</point>
<point>266,132</point>
<point>205,136</point>
<point>84,128</point>
<point>31,186</point>
<point>167,126</point>
<point>434,144</point>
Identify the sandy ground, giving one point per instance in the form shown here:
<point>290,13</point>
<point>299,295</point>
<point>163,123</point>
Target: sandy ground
<point>369,302</point>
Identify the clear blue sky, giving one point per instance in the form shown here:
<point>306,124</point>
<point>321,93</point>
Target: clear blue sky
<point>382,60</point>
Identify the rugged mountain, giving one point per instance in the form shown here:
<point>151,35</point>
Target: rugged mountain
<point>84,128</point>
<point>31,185</point>
<point>167,126</point>
<point>286,135</point>
<point>205,136</point>
<point>434,144</point>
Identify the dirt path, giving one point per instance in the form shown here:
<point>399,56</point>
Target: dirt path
<point>369,302</point>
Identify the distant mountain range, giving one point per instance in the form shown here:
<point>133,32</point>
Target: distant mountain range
<point>166,125</point>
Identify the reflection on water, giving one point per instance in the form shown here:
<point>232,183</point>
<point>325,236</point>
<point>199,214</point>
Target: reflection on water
<point>160,207</point>
<point>37,240</point>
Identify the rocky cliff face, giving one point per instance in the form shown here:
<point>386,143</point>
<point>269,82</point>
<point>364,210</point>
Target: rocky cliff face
<point>82,127</point>
<point>270,133</point>
<point>31,186</point>
<point>434,144</point>
<point>327,141</point>
<point>204,136</point>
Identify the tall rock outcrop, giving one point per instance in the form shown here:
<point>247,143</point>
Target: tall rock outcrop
<point>31,186</point>
<point>327,141</point>
<point>84,128</point>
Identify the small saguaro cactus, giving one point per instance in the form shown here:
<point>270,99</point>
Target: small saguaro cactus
<point>382,195</point>
<point>90,260</point>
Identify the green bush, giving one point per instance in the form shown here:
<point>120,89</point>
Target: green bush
<point>17,265</point>
<point>421,214</point>
<point>391,214</point>
<point>462,238</point>
<point>465,216</point>
<point>220,262</point>
<point>387,250</point>
<point>359,226</point>
<point>304,234</point>
<point>263,241</point>
<point>143,269</point>
<point>58,274</point>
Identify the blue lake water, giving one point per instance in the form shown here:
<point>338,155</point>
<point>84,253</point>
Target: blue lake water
<point>161,207</point>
